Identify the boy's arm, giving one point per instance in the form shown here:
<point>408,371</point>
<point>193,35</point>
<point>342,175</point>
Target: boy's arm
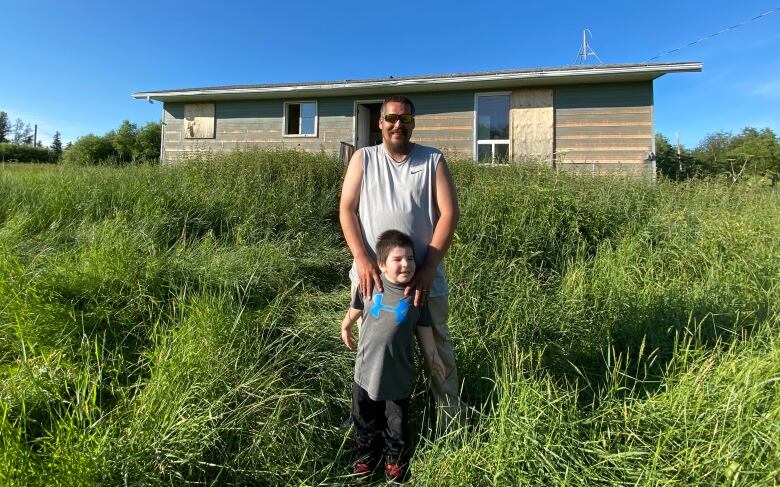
<point>346,327</point>
<point>435,364</point>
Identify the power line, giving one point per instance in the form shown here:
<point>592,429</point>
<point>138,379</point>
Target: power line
<point>740,24</point>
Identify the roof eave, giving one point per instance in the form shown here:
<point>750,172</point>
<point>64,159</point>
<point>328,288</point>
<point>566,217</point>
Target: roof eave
<point>422,84</point>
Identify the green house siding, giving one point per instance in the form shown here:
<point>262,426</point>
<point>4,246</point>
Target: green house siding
<point>259,123</point>
<point>596,128</point>
<point>446,121</point>
<point>604,127</point>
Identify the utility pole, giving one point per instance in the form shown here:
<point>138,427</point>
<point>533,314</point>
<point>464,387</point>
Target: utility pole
<point>679,153</point>
<point>35,137</point>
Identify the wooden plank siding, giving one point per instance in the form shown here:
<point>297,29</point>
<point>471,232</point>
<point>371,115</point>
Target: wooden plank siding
<point>259,123</point>
<point>595,128</point>
<point>604,127</point>
<point>446,121</point>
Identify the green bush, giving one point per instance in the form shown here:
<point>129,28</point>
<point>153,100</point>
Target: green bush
<point>88,150</point>
<point>123,141</point>
<point>147,142</point>
<point>25,153</point>
<point>124,145</point>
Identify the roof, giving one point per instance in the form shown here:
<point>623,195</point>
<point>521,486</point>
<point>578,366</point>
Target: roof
<point>482,80</point>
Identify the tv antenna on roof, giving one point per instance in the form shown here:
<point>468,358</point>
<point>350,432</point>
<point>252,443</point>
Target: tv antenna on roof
<point>585,50</point>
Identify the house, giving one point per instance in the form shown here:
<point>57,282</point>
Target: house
<point>594,118</point>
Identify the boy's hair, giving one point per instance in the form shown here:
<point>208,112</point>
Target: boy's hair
<point>389,240</point>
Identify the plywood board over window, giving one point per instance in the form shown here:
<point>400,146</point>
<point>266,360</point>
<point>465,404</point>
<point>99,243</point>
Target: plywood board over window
<point>199,121</point>
<point>532,124</point>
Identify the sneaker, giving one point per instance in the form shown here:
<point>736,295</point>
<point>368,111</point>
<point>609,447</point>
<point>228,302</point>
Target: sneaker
<point>367,461</point>
<point>395,472</point>
<point>363,468</point>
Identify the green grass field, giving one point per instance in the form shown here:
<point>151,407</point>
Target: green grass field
<point>172,325</point>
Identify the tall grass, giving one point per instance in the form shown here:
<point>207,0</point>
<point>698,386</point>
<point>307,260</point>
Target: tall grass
<point>179,324</point>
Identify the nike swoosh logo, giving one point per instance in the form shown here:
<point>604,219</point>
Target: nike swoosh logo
<point>415,172</point>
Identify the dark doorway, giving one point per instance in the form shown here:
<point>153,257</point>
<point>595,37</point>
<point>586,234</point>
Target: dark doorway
<point>367,131</point>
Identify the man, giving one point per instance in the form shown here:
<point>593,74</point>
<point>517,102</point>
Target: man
<point>407,187</point>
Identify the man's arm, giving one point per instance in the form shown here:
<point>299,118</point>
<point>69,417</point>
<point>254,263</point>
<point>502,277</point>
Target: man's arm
<point>449,214</point>
<point>367,269</point>
<point>432,359</point>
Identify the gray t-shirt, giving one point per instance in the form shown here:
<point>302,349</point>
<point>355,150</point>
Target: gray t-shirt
<point>384,365</point>
<point>400,196</point>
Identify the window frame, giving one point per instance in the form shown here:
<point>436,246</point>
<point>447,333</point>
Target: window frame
<point>492,142</point>
<point>300,118</point>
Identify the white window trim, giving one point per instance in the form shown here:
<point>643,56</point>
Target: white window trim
<point>300,120</point>
<point>491,142</point>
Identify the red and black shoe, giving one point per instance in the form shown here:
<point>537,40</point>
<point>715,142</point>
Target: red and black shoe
<point>363,468</point>
<point>367,461</point>
<point>395,472</point>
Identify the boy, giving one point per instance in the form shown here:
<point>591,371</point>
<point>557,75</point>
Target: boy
<point>384,365</point>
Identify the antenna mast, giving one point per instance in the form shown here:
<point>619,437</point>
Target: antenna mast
<point>586,50</point>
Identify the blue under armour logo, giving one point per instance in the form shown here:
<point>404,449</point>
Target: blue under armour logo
<point>400,311</point>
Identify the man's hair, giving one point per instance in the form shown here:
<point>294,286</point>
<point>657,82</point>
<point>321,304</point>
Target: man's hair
<point>397,99</point>
<point>389,240</point>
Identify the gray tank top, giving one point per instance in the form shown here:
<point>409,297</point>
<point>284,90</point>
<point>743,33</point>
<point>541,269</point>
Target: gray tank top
<point>400,196</point>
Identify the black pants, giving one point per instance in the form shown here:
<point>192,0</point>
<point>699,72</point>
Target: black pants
<point>379,422</point>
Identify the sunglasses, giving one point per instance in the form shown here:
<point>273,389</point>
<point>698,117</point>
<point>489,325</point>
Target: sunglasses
<point>394,117</point>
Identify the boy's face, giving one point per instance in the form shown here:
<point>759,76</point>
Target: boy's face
<point>399,266</point>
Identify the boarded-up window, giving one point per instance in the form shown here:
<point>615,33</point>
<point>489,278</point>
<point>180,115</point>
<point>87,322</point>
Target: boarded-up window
<point>199,121</point>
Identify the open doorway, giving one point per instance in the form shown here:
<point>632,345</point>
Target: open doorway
<point>367,131</point>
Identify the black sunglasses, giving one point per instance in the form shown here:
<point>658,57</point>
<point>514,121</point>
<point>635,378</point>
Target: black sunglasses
<point>394,117</point>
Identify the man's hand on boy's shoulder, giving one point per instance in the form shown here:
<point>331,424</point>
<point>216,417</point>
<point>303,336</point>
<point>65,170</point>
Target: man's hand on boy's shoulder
<point>368,276</point>
<point>421,285</point>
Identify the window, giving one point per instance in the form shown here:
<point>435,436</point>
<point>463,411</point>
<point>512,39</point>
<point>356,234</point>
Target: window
<point>198,120</point>
<point>300,119</point>
<point>492,127</point>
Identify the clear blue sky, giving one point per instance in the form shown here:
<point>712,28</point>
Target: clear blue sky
<point>71,66</point>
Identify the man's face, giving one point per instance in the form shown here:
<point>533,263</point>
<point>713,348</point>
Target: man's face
<point>396,135</point>
<point>399,266</point>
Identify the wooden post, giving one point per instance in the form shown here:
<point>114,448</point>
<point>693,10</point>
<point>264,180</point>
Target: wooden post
<point>679,153</point>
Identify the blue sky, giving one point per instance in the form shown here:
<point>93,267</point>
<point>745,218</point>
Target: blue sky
<point>71,66</point>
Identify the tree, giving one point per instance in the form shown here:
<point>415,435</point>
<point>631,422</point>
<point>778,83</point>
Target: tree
<point>90,149</point>
<point>751,152</point>
<point>56,145</point>
<point>758,150</point>
<point>123,140</point>
<point>147,146</point>
<point>712,152</point>
<point>21,133</point>
<point>665,159</point>
<point>673,165</point>
<point>28,139</point>
<point>5,127</point>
